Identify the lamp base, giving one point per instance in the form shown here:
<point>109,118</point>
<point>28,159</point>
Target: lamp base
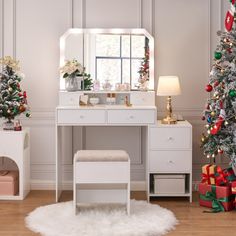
<point>169,121</point>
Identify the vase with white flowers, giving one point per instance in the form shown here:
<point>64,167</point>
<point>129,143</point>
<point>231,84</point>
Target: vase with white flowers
<point>75,76</point>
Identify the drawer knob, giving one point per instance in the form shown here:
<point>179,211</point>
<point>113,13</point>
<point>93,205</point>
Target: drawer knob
<point>171,162</point>
<point>81,117</point>
<point>170,138</point>
<point>131,117</point>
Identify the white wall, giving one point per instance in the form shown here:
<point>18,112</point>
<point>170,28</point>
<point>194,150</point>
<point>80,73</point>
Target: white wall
<point>185,38</point>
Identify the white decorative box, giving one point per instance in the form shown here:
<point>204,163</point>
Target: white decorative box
<point>168,184</point>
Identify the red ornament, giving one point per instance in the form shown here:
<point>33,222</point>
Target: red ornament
<point>208,88</point>
<point>229,20</point>
<point>203,117</point>
<point>216,83</point>
<point>220,151</point>
<point>24,94</point>
<point>20,94</point>
<point>217,126</point>
<point>233,2</point>
<point>221,104</point>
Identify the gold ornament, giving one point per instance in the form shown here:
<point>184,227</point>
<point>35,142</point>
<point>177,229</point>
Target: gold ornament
<point>213,113</point>
<point>8,111</point>
<point>10,89</point>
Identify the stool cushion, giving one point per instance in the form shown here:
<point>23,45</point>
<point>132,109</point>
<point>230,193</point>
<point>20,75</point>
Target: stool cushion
<point>101,155</point>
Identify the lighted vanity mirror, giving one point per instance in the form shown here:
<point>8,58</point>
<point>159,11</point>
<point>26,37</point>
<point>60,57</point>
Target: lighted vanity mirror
<point>111,56</point>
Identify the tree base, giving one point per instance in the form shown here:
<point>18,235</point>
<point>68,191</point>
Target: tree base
<point>8,125</point>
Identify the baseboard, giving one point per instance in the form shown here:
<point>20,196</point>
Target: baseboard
<point>42,185</point>
<point>50,185</point>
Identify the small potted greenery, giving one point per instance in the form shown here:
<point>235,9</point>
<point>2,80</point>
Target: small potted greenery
<point>75,76</point>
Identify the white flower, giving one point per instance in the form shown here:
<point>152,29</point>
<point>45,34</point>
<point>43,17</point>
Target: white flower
<point>10,62</point>
<point>71,67</point>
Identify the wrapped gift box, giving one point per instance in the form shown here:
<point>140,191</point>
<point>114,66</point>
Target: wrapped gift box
<point>223,177</point>
<point>9,183</point>
<point>220,198</point>
<point>233,184</point>
<point>208,174</point>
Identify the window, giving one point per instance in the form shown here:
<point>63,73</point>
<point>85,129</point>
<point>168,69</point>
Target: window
<point>118,58</point>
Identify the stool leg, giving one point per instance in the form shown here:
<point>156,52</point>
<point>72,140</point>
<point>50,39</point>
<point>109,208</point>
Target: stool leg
<point>128,198</point>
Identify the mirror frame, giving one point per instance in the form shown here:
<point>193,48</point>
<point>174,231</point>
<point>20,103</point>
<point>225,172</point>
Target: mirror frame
<point>135,31</point>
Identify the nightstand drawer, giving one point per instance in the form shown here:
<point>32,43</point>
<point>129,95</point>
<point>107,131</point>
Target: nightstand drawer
<point>170,138</point>
<point>131,116</point>
<point>170,161</point>
<point>75,116</point>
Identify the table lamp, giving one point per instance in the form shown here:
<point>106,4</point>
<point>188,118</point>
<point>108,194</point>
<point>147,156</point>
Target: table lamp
<point>168,86</point>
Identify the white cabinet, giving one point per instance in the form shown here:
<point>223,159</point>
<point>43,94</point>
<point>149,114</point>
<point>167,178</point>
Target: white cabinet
<point>170,156</point>
<point>15,145</point>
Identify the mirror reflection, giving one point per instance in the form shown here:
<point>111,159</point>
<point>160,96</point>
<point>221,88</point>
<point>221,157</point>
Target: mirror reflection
<point>112,59</point>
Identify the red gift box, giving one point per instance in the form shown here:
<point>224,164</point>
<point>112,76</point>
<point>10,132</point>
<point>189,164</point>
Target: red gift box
<point>233,184</point>
<point>223,177</point>
<point>219,198</point>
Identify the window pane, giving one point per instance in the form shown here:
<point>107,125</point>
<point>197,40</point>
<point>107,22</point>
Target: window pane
<point>138,45</point>
<point>125,46</point>
<point>136,64</point>
<point>107,45</point>
<point>126,71</point>
<point>109,69</point>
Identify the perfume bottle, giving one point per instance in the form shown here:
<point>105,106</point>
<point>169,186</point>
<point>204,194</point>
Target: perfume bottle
<point>107,85</point>
<point>96,85</point>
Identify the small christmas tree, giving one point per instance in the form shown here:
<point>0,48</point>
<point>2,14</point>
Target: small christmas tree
<point>13,101</point>
<point>144,68</point>
<point>220,108</point>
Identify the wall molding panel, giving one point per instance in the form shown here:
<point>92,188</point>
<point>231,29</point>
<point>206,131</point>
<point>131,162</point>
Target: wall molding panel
<point>1,28</point>
<point>30,31</point>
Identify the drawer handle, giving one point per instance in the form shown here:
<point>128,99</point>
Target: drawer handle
<point>81,117</point>
<point>131,117</point>
<point>170,138</point>
<point>171,162</point>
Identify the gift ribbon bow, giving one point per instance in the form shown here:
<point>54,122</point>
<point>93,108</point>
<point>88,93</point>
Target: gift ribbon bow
<point>207,177</point>
<point>216,202</point>
<point>220,176</point>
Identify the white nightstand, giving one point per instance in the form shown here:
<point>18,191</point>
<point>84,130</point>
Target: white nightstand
<point>16,146</point>
<point>169,166</point>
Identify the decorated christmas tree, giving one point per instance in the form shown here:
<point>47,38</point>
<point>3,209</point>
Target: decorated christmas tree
<point>13,101</point>
<point>220,108</point>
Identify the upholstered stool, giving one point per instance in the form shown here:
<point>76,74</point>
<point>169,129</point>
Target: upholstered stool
<point>101,176</point>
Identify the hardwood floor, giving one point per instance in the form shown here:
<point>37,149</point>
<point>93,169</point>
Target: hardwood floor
<point>192,220</point>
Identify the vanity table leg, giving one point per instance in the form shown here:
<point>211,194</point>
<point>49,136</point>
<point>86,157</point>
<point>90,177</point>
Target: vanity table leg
<point>58,163</point>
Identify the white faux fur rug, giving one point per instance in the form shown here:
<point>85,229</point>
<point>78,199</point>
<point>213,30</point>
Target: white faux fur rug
<point>101,220</point>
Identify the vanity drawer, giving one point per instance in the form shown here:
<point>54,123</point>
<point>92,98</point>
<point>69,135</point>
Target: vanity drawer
<point>67,116</point>
<point>131,116</point>
<point>170,138</point>
<point>170,161</point>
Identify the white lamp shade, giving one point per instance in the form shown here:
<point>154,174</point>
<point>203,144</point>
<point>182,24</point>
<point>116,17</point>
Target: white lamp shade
<point>168,86</point>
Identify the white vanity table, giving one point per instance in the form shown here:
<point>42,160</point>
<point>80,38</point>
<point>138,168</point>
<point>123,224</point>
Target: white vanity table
<point>72,115</point>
